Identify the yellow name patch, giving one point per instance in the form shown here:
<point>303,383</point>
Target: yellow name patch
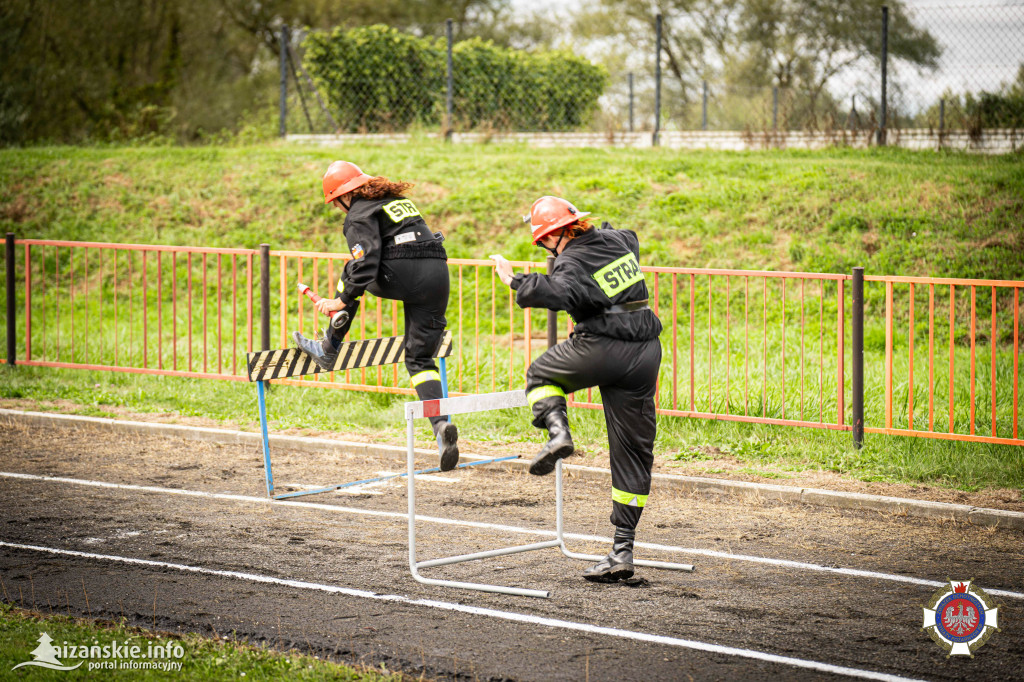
<point>400,209</point>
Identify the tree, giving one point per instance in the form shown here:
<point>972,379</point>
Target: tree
<point>802,45</point>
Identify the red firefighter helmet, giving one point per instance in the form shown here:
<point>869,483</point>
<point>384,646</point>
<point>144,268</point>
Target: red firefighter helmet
<point>550,213</point>
<point>341,178</point>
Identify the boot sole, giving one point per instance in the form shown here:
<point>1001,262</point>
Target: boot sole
<point>449,447</point>
<point>620,572</point>
<point>543,464</point>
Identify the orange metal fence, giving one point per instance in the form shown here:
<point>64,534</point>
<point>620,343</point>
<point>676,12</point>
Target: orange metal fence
<point>748,346</point>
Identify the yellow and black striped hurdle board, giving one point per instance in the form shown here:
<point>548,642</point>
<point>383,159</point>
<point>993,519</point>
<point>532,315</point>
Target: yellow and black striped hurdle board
<point>292,362</point>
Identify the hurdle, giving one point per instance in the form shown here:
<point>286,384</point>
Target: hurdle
<point>264,366</point>
<point>484,403</point>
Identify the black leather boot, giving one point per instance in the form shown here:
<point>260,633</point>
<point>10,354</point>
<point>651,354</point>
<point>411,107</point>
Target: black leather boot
<point>618,565</point>
<point>559,445</point>
<point>447,435</point>
<point>318,350</point>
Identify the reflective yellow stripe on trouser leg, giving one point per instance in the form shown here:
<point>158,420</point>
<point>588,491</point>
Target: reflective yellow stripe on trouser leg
<point>628,499</point>
<point>542,392</point>
<point>425,376</point>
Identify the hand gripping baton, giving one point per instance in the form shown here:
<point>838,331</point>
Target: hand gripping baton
<point>338,317</point>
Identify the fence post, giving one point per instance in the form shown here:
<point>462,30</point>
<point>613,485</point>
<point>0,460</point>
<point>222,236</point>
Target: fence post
<point>704,106</point>
<point>265,296</point>
<point>283,127</point>
<point>775,107</point>
<point>552,315</point>
<point>630,101</point>
<point>885,75</point>
<point>857,332</point>
<point>450,95</point>
<point>657,81</point>
<point>11,299</point>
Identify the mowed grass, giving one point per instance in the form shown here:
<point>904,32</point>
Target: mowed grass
<point>204,658</point>
<point>892,211</point>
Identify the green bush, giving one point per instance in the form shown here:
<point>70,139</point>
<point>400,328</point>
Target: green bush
<point>378,79</point>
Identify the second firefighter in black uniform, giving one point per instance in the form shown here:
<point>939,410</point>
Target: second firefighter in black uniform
<point>596,278</point>
<point>394,256</point>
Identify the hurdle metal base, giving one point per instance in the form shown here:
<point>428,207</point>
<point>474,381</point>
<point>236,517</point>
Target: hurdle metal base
<point>483,403</point>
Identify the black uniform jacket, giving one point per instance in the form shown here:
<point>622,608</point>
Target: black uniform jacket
<point>596,270</point>
<point>382,229</point>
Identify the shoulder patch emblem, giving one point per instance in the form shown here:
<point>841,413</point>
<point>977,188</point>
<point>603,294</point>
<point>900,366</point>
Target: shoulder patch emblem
<point>357,251</point>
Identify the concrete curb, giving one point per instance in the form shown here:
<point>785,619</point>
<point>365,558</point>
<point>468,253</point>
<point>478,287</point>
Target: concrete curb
<point>961,513</point>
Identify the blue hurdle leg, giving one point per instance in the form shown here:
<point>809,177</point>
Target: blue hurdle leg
<point>444,382</point>
<point>261,396</point>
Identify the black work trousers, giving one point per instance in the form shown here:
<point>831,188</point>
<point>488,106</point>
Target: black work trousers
<point>422,286</point>
<point>626,373</point>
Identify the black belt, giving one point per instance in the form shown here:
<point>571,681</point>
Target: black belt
<point>630,307</point>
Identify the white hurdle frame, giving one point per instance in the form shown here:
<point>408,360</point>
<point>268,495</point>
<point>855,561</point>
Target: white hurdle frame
<point>483,403</point>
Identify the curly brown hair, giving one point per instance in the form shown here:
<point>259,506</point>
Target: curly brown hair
<point>381,187</point>
<point>575,229</point>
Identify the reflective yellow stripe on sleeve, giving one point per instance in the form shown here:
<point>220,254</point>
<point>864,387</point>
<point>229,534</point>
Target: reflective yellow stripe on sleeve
<point>628,499</point>
<point>424,376</point>
<point>542,392</point>
<point>341,285</point>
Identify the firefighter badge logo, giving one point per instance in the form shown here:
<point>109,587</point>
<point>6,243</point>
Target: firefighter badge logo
<point>960,618</point>
<point>357,251</point>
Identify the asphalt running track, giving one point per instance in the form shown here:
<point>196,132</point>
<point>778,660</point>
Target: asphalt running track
<point>329,575</point>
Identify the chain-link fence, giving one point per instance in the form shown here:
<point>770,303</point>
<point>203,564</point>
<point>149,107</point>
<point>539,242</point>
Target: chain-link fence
<point>797,67</point>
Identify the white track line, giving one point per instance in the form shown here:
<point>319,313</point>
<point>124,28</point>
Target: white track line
<point>786,563</point>
<point>489,613</point>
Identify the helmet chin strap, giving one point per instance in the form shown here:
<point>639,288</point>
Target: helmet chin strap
<point>553,250</point>
<point>343,204</point>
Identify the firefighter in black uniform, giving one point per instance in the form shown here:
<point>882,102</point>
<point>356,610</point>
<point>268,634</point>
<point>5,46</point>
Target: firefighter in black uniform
<point>394,256</point>
<point>596,278</point>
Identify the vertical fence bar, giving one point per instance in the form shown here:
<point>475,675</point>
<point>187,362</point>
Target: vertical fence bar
<point>1017,323</point>
<point>159,311</point>
<point>56,273</point>
<point>728,344</point>
<point>710,407</point>
<point>234,313</point>
<point>494,335</point>
<point>692,293</point>
<point>931,357</point>
<point>952,317</point>
<point>803,326</point>
<point>888,354</point>
<point>764,346</point>
<point>85,307</point>
<point>476,327</point>
<point>145,312</point>
<point>220,316</point>
<point>174,310</point>
<point>857,353</point>
<point>885,76</point>
<point>910,353</point>
<point>248,302</point>
<point>783,281</point>
<point>12,345</point>
<point>657,312</point>
<point>992,375</point>
<point>71,297</point>
<point>746,346</point>
<point>206,355</point>
<point>655,141</point>
<point>462,365</point>
<point>675,340</point>
<point>394,332</point>
<point>264,296</point>
<point>190,311</point>
<point>511,335</point>
<point>821,351</point>
<point>28,304</point>
<point>301,277</point>
<point>974,312</point>
<point>283,308</point>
